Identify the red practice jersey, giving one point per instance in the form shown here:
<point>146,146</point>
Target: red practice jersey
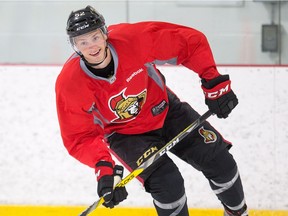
<point>132,101</point>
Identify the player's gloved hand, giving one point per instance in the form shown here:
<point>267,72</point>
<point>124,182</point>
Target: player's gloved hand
<point>219,97</point>
<point>106,175</point>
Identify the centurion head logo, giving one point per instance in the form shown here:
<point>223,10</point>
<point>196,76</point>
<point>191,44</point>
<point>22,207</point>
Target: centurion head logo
<point>208,135</point>
<point>127,107</point>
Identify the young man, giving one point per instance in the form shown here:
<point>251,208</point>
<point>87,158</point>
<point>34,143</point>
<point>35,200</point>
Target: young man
<point>111,98</point>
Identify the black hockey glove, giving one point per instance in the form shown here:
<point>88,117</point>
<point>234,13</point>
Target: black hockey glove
<point>219,97</point>
<point>106,177</point>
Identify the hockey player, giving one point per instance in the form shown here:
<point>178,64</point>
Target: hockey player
<point>111,98</point>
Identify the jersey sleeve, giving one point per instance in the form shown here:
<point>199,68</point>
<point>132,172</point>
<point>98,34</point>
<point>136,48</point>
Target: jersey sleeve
<point>188,46</point>
<point>83,139</point>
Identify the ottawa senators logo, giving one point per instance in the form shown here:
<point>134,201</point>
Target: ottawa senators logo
<point>127,107</point>
<point>208,135</point>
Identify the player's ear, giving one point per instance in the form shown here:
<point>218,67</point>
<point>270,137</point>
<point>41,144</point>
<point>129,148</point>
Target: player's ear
<point>105,36</point>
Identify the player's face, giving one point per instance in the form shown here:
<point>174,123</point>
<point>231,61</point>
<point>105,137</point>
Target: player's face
<point>92,45</point>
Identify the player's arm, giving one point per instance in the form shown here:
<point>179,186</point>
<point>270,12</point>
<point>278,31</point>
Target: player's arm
<point>85,142</point>
<point>191,49</point>
<point>82,138</point>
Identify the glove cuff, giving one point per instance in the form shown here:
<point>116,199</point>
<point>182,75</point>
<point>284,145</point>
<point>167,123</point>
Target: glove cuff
<point>103,168</point>
<point>214,82</point>
<point>118,170</point>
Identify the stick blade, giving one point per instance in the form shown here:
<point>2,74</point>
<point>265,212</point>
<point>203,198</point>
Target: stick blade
<point>91,208</point>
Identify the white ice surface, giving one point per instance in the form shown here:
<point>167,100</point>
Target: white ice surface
<point>36,169</point>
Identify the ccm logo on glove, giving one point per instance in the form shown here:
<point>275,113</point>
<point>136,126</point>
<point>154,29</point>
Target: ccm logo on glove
<point>218,90</point>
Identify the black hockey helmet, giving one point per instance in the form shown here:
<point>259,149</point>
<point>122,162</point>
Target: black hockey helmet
<point>83,21</point>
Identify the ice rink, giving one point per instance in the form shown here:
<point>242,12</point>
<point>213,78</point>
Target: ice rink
<point>36,169</point>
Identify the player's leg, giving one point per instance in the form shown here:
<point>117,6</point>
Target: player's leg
<point>225,181</point>
<point>166,186</point>
<point>206,150</point>
<point>218,166</point>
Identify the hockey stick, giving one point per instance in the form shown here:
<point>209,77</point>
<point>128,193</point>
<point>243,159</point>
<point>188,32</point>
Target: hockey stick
<point>152,159</point>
